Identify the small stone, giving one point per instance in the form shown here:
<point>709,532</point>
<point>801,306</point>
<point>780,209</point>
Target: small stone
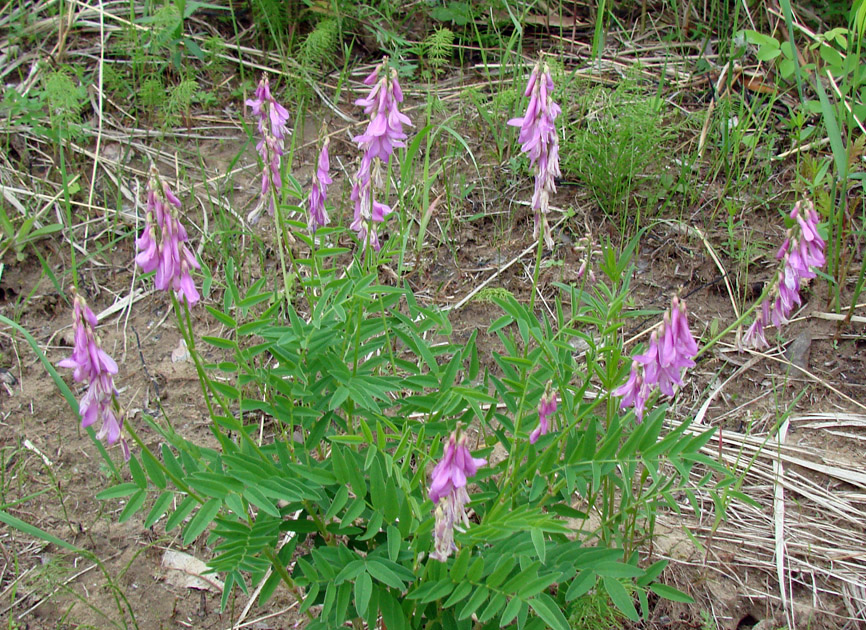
<point>798,350</point>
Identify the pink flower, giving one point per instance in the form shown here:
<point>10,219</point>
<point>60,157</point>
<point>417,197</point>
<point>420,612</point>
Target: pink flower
<point>385,130</point>
<point>272,117</point>
<point>272,120</point>
<point>383,134</point>
<point>801,253</point>
<point>546,409</point>
<point>319,191</point>
<point>539,141</point>
<point>448,492</point>
<point>671,351</point>
<point>169,255</point>
<point>634,392</point>
<point>92,365</point>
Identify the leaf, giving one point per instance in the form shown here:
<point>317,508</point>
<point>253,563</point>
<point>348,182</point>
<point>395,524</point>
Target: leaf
<point>186,571</point>
<point>538,542</point>
<point>134,505</point>
<point>394,541</point>
<point>363,590</point>
<point>159,508</point>
<point>546,608</point>
<point>581,585</point>
<point>620,598</point>
<point>463,589</point>
<point>671,593</point>
<point>31,530</point>
<point>120,490</point>
<point>478,598</point>
<point>137,473</point>
<point>385,575</point>
<point>201,520</point>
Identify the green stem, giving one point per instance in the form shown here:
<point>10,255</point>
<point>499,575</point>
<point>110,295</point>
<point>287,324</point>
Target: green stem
<point>286,578</point>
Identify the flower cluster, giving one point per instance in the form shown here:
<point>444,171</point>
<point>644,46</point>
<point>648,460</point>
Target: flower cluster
<point>92,365</point>
<point>319,191</point>
<point>671,350</point>
<point>802,250</point>
<point>162,245</point>
<point>539,141</point>
<point>384,133</point>
<point>272,118</point>
<point>448,492</point>
<point>546,409</point>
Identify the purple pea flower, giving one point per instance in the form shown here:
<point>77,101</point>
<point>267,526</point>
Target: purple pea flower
<point>93,366</point>
<point>385,130</point>
<point>539,141</point>
<point>319,191</point>
<point>634,392</point>
<point>801,253</point>
<point>272,119</point>
<point>671,351</point>
<point>448,492</point>
<point>163,243</point>
<point>546,408</point>
<point>383,134</point>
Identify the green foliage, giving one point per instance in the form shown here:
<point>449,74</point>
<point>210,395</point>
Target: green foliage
<point>358,403</point>
<point>272,20</point>
<point>614,153</point>
<point>152,95</point>
<point>180,100</point>
<point>320,46</point>
<point>437,48</point>
<point>488,295</point>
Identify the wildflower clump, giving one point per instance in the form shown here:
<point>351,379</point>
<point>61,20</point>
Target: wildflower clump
<point>539,141</point>
<point>384,133</point>
<point>448,492</point>
<point>319,191</point>
<point>671,351</point>
<point>272,119</point>
<point>800,253</point>
<point>93,366</point>
<point>162,245</point>
<point>546,409</point>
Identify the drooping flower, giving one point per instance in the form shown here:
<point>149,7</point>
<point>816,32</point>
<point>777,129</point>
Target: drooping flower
<point>801,253</point>
<point>385,130</point>
<point>671,351</point>
<point>319,191</point>
<point>546,408</point>
<point>448,492</point>
<point>538,139</point>
<point>272,119</point>
<point>163,245</point>
<point>383,134</point>
<point>90,364</point>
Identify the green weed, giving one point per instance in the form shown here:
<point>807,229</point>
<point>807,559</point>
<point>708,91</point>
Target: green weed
<point>619,148</point>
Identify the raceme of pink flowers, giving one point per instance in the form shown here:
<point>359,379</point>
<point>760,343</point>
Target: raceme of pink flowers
<point>671,351</point>
<point>448,493</point>
<point>272,119</point>
<point>801,252</point>
<point>384,133</point>
<point>546,409</point>
<point>162,245</point>
<point>92,365</point>
<point>539,141</point>
<point>319,191</point>
<point>385,130</point>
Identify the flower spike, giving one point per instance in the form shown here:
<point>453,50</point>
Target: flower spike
<point>90,364</point>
